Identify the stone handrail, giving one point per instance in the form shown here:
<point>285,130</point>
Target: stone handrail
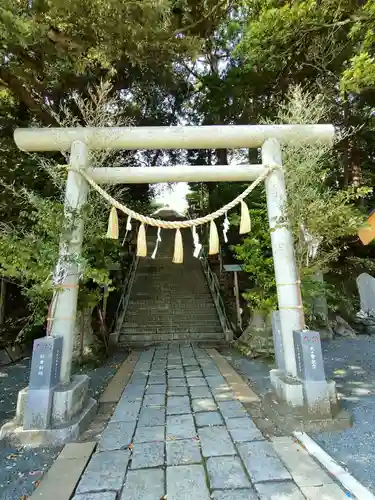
<point>214,287</point>
<point>124,301</point>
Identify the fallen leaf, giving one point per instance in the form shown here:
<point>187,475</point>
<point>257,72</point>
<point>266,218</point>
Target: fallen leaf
<point>35,472</point>
<point>163,497</point>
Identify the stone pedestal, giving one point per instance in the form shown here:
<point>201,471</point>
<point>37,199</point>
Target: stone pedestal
<point>71,412</point>
<point>49,413</point>
<point>309,401</point>
<point>316,400</point>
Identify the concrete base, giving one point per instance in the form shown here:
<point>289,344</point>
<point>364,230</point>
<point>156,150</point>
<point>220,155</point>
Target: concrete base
<point>289,419</point>
<point>304,405</point>
<point>71,412</point>
<point>317,398</point>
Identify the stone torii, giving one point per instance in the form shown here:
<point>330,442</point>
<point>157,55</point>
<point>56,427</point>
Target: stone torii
<point>270,138</point>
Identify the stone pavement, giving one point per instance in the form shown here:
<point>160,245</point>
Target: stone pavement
<point>350,362</point>
<point>178,432</point>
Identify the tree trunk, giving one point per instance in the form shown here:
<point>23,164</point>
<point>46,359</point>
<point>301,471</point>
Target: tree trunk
<point>3,288</point>
<point>320,310</point>
<point>353,170</point>
<point>83,334</point>
<point>257,339</point>
<point>351,153</point>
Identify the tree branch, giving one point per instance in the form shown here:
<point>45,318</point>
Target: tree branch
<point>15,85</point>
<point>353,19</point>
<point>200,21</point>
<point>62,40</point>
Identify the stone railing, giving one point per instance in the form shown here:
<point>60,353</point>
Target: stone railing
<point>124,301</point>
<point>214,287</point>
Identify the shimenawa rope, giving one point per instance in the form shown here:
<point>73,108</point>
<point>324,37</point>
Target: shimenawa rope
<point>144,219</point>
<point>214,246</point>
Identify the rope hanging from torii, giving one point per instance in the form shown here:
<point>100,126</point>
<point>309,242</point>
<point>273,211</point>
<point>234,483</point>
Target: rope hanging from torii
<point>245,224</point>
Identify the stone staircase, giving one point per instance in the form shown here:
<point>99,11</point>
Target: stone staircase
<point>170,303</point>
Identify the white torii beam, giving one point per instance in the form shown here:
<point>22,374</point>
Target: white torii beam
<point>187,137</point>
<point>177,173</point>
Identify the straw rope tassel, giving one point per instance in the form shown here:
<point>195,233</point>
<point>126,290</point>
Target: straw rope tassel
<point>158,240</point>
<point>112,231</point>
<point>141,242</point>
<point>245,225</point>
<point>128,228</point>
<point>214,239</point>
<point>197,245</point>
<point>178,256</point>
<point>226,225</point>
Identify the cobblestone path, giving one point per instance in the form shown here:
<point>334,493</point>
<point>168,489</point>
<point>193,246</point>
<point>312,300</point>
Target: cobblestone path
<point>179,431</point>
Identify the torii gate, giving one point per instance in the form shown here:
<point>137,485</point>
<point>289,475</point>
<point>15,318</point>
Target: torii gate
<point>270,138</point>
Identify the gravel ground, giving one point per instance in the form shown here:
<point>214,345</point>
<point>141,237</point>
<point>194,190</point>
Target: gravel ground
<point>351,363</point>
<point>22,467</point>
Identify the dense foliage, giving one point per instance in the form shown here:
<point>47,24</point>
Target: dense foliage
<point>186,61</point>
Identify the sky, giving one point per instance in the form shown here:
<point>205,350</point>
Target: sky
<point>173,195</point>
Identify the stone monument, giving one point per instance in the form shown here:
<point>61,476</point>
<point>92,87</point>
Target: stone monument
<point>365,320</point>
<point>307,402</point>
<point>44,377</point>
<point>318,393</point>
<point>49,413</point>
<point>311,394</point>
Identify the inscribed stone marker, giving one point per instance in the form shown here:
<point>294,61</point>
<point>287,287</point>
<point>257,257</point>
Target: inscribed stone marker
<point>309,357</point>
<point>45,363</point>
<point>44,377</point>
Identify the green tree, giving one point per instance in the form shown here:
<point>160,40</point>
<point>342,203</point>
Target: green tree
<point>327,46</point>
<point>53,52</point>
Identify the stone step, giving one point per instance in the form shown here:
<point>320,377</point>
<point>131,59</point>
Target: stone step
<point>175,319</point>
<point>157,319</point>
<point>201,304</point>
<point>172,323</point>
<point>180,289</point>
<point>169,330</point>
<point>143,340</point>
<point>192,281</point>
<point>168,309</point>
<point>180,313</point>
<point>163,277</point>
<point>170,303</point>
<point>166,312</point>
<point>141,344</point>
<point>160,275</point>
<point>178,296</point>
<point>206,299</point>
<point>161,271</point>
